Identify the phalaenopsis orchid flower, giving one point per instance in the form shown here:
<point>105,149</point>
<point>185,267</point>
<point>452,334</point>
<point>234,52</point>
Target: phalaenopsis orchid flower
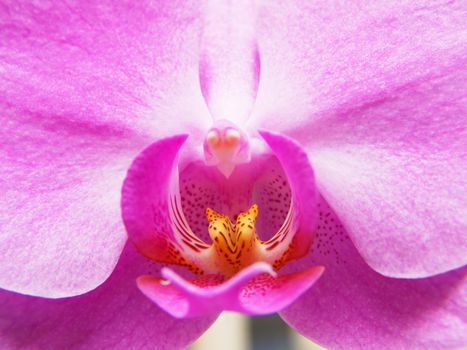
<point>300,157</point>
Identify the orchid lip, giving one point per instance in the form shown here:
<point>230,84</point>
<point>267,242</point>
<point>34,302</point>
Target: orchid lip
<point>183,299</point>
<point>264,213</point>
<point>175,279</point>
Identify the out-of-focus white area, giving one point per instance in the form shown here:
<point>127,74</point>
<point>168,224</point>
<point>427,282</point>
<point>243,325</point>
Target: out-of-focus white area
<point>233,331</point>
<point>299,342</point>
<point>229,332</point>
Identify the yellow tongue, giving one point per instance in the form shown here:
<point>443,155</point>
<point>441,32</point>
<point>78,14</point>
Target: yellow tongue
<point>235,245</point>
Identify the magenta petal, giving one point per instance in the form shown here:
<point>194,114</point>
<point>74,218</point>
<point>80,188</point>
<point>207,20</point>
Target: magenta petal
<point>229,66</point>
<point>394,171</point>
<point>83,86</point>
<point>300,174</point>
<point>208,296</point>
<point>354,307</point>
<point>145,199</point>
<point>133,66</point>
<point>376,93</point>
<point>266,294</point>
<point>254,290</point>
<point>60,231</point>
<point>114,316</point>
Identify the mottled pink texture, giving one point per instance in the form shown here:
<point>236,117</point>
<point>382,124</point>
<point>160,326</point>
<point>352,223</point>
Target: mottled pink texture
<point>146,196</point>
<point>131,67</point>
<point>375,91</point>
<point>262,181</point>
<point>273,196</point>
<point>395,172</point>
<point>114,316</point>
<point>83,86</point>
<point>354,307</point>
<point>59,205</point>
<point>302,184</point>
<point>266,294</point>
<point>255,290</point>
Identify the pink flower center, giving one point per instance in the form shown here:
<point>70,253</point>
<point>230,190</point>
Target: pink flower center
<point>236,246</point>
<point>236,186</point>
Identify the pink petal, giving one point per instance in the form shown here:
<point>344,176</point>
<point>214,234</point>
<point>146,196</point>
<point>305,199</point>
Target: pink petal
<point>254,290</point>
<point>229,64</point>
<point>114,316</point>
<point>60,229</point>
<point>146,199</point>
<point>354,307</point>
<point>83,86</point>
<point>380,105</point>
<point>304,194</point>
<point>131,65</point>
